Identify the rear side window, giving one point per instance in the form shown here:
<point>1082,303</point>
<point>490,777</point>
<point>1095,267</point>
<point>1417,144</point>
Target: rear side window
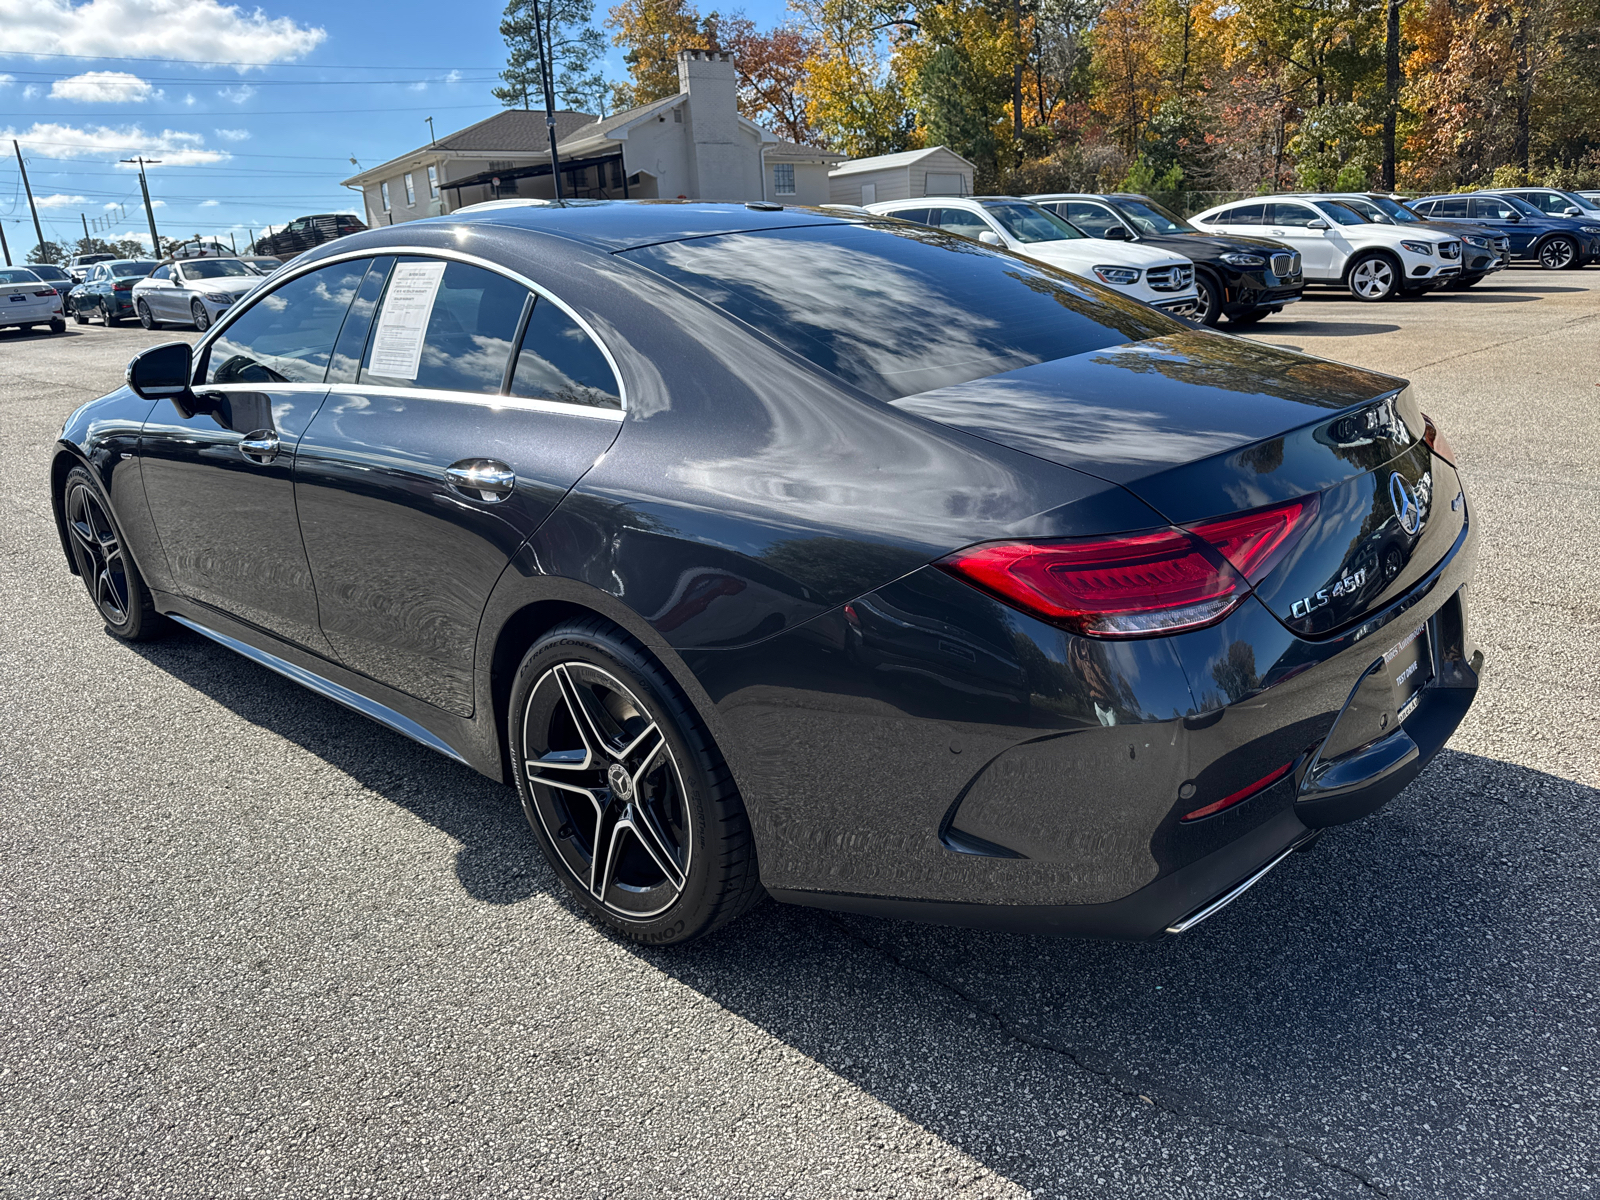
<point>287,335</point>
<point>558,361</point>
<point>896,310</point>
<point>444,327</point>
<point>1292,215</point>
<point>1450,208</point>
<point>1243,214</point>
<point>919,215</point>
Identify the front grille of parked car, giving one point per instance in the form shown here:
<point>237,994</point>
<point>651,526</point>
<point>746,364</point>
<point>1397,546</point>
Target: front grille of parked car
<point>1284,265</point>
<point>1450,250</point>
<point>1170,279</point>
<point>1502,244</point>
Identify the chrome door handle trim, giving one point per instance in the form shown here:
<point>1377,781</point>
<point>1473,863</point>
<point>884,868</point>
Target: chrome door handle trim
<point>260,446</point>
<point>482,479</point>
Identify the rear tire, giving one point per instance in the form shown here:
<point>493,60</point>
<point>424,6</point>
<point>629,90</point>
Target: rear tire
<point>58,326</point>
<point>146,317</point>
<point>107,570</point>
<point>80,316</point>
<point>628,796</point>
<point>1373,278</point>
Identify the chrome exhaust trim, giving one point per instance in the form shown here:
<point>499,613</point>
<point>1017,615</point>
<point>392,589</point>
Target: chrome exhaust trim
<point>1229,896</point>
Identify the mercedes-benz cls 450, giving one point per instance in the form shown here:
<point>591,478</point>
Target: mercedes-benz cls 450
<point>781,552</point>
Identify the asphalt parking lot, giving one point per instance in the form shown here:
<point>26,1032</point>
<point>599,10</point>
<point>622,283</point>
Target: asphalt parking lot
<point>252,944</point>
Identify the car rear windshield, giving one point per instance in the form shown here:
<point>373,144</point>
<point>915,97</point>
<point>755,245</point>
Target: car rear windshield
<point>1032,223</point>
<point>897,310</point>
<point>19,276</point>
<point>131,267</point>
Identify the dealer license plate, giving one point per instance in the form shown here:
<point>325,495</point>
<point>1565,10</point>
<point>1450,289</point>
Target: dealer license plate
<point>1410,670</point>
<point>17,298</point>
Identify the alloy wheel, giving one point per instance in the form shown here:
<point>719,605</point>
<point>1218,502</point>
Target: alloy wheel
<point>607,790</point>
<point>98,552</point>
<point>1372,279</point>
<point>202,319</point>
<point>1557,254</point>
<point>146,317</point>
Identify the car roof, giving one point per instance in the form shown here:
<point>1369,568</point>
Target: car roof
<point>628,224</point>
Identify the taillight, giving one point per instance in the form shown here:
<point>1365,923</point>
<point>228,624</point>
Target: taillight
<point>1437,442</point>
<point>1241,795</point>
<point>45,292</point>
<point>122,287</point>
<point>1138,584</point>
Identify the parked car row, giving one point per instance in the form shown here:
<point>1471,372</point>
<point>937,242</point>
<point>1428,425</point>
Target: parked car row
<point>193,291</point>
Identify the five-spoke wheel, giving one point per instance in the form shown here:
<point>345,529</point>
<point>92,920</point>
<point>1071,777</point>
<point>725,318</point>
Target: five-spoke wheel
<point>632,803</point>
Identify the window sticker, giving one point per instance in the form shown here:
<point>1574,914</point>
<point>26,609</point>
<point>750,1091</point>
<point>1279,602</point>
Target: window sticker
<point>407,307</point>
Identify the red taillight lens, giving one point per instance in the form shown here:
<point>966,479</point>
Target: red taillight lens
<point>1241,795</point>
<point>1437,442</point>
<point>122,287</point>
<point>45,292</point>
<point>1138,584</point>
<point>1256,541</point>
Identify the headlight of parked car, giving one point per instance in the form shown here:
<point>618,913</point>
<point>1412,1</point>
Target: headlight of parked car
<point>1240,259</point>
<point>218,297</point>
<point>1418,248</point>
<point>1122,276</point>
<point>1590,228</point>
<point>1480,242</point>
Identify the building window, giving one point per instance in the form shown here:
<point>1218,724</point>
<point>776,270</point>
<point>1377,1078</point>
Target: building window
<point>783,179</point>
<point>411,192</point>
<point>433,183</point>
<point>383,191</point>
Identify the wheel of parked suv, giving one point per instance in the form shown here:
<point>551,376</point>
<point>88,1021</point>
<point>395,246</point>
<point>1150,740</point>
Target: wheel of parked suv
<point>627,794</point>
<point>103,565</point>
<point>1210,310</point>
<point>146,317</point>
<point>202,319</point>
<point>1373,277</point>
<point>1558,254</point>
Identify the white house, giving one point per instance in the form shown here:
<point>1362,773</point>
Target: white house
<point>936,171</point>
<point>692,146</point>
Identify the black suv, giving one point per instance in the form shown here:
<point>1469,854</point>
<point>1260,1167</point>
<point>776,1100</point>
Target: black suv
<point>302,233</point>
<point>1484,250</point>
<point>1241,278</point>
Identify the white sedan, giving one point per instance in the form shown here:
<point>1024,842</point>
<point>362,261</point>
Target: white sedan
<point>1162,278</point>
<point>193,291</point>
<point>26,300</point>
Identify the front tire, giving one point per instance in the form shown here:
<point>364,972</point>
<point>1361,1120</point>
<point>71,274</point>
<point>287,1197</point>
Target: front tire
<point>1210,299</point>
<point>1373,277</point>
<point>202,319</point>
<point>627,794</point>
<point>115,587</point>
<point>1558,254</point>
<point>146,317</point>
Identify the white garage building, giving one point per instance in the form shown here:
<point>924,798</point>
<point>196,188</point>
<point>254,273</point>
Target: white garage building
<point>936,171</point>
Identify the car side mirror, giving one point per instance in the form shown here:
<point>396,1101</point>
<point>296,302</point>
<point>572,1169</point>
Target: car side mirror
<point>1515,217</point>
<point>1573,212</point>
<point>1115,234</point>
<point>989,238</point>
<point>1316,223</point>
<point>162,373</point>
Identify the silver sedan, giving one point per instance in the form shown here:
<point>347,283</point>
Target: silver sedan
<point>191,292</point>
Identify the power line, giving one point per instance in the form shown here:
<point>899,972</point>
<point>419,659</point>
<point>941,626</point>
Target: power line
<point>254,112</point>
<point>260,83</point>
<point>170,150</point>
<point>217,62</point>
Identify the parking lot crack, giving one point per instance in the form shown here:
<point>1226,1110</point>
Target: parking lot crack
<point>1137,1091</point>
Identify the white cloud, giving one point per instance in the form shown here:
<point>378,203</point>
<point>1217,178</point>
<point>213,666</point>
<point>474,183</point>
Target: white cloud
<point>209,203</point>
<point>173,147</point>
<point>185,30</point>
<point>59,200</point>
<point>103,87</point>
<point>7,80</point>
<point>29,92</point>
<point>421,85</point>
<point>153,204</point>
<point>237,95</point>
<point>189,99</point>
<point>232,135</point>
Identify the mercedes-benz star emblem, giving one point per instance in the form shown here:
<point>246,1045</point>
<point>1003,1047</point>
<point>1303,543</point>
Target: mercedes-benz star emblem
<point>621,785</point>
<point>1405,503</point>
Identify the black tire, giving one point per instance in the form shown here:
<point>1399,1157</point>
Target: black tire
<point>1559,253</point>
<point>1251,318</point>
<point>1373,278</point>
<point>58,326</point>
<point>1459,284</point>
<point>678,860</point>
<point>1210,310</point>
<point>202,319</point>
<point>81,317</point>
<point>146,317</point>
<point>104,565</point>
<point>106,318</point>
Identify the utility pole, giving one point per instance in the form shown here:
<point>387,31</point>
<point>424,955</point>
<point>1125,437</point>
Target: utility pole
<point>37,229</point>
<point>233,243</point>
<point>435,141</point>
<point>1391,110</point>
<point>85,221</point>
<point>3,247</point>
<point>549,99</point>
<point>150,213</point>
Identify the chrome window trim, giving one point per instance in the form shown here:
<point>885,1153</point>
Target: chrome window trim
<point>235,311</point>
<point>487,399</point>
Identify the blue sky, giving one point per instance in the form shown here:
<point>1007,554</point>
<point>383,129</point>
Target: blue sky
<point>84,83</point>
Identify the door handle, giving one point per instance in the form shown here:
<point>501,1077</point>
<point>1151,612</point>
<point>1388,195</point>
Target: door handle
<point>260,446</point>
<point>482,479</point>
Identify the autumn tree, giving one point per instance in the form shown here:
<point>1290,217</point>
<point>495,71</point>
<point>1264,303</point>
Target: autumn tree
<point>653,31</point>
<point>771,69</point>
<point>854,103</point>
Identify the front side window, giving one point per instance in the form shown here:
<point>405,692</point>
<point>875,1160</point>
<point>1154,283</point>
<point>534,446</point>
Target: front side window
<point>1094,219</point>
<point>433,183</point>
<point>1029,223</point>
<point>895,309</point>
<point>444,327</point>
<point>1150,217</point>
<point>958,221</point>
<point>783,178</point>
<point>1491,208</point>
<point>1340,214</point>
<point>383,192</point>
<point>919,215</point>
<point>560,362</point>
<point>161,273</point>
<point>411,191</point>
<point>287,335</point>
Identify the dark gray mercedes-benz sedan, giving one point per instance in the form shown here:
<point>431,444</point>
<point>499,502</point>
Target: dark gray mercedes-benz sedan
<point>774,551</point>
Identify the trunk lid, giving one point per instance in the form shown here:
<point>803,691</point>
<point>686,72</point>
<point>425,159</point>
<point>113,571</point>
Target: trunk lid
<point>1199,425</point>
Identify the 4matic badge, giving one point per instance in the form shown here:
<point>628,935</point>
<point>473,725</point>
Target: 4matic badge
<point>1343,586</point>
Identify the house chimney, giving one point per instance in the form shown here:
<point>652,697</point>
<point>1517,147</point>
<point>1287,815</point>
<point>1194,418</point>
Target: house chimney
<point>716,161</point>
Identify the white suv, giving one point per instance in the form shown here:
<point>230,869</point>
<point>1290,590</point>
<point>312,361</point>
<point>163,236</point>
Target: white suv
<point>1161,278</point>
<point>1338,245</point>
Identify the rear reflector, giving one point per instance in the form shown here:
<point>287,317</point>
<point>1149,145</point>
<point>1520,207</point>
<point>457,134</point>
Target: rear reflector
<point>1138,584</point>
<point>1241,795</point>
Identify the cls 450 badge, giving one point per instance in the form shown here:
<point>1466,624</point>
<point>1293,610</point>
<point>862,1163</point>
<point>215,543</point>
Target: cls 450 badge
<point>1346,584</point>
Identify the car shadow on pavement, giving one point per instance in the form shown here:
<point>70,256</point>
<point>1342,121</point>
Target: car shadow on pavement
<point>1401,972</point>
<point>1315,328</point>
